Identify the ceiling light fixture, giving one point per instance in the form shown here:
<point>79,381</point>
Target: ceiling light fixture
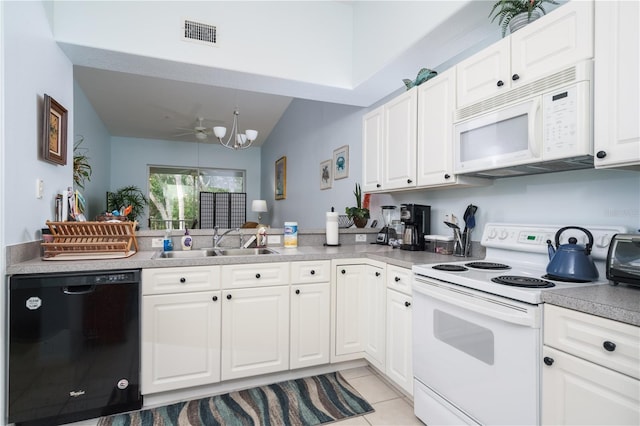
<point>236,140</point>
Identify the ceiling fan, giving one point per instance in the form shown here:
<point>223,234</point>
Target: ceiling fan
<point>200,131</point>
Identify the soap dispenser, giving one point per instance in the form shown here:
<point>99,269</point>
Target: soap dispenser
<point>167,243</point>
<point>186,240</point>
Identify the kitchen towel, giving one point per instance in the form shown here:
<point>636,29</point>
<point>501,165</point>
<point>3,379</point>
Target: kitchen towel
<point>304,402</point>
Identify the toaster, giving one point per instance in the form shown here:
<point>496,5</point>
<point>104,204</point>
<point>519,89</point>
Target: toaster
<point>623,259</point>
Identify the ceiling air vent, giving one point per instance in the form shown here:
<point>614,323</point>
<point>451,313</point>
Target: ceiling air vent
<point>197,31</point>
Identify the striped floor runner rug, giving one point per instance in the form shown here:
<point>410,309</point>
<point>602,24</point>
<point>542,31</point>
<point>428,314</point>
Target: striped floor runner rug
<point>309,401</point>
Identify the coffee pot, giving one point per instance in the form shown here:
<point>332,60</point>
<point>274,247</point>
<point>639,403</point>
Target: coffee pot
<point>571,261</point>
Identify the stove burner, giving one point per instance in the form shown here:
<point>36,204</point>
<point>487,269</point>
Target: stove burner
<point>450,268</point>
<point>562,279</point>
<point>517,281</point>
<point>487,265</point>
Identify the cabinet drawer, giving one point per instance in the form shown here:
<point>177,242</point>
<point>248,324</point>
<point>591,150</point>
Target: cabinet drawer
<point>255,275</point>
<point>310,272</point>
<point>612,344</point>
<point>399,279</point>
<point>179,280</point>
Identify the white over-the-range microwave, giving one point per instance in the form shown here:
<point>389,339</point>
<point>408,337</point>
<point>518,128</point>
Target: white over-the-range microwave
<point>542,126</point>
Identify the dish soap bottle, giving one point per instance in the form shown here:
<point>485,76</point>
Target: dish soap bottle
<point>186,240</point>
<point>167,243</point>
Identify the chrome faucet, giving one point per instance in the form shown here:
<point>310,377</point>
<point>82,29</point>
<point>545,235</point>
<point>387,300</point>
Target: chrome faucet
<point>217,238</point>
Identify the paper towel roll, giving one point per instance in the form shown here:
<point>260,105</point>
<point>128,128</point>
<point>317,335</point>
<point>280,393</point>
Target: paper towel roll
<point>332,228</point>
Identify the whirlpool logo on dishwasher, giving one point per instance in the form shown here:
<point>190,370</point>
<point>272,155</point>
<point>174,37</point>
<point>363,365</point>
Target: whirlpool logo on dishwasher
<point>76,394</point>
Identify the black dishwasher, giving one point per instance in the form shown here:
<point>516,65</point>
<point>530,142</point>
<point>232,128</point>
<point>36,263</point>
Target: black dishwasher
<point>74,346</point>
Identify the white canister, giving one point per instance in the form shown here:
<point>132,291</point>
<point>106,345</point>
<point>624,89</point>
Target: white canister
<point>332,229</point>
<point>291,234</point>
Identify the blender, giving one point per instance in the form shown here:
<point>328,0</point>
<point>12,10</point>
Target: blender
<point>387,233</point>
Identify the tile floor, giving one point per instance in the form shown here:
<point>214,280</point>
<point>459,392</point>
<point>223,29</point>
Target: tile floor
<point>392,408</point>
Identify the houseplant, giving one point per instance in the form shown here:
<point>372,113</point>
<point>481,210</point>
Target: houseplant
<point>81,167</point>
<point>127,196</point>
<point>359,214</point>
<point>517,12</point>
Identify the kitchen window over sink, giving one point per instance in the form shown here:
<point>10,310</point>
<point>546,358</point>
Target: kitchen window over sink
<point>173,193</point>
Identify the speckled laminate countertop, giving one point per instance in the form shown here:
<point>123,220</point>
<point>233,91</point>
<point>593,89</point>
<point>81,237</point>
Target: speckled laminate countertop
<point>620,303</point>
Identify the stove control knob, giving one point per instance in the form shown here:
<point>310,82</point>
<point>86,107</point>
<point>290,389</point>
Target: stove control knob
<point>603,241</point>
<point>503,234</point>
<point>492,233</point>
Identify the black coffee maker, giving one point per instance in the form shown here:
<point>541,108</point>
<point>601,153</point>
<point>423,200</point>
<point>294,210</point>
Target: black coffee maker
<point>417,224</point>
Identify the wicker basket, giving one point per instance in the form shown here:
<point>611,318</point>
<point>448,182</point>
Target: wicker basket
<point>344,221</point>
<point>91,238</point>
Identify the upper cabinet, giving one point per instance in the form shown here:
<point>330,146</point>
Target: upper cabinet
<point>372,136</point>
<point>399,147</point>
<point>558,39</point>
<point>617,87</point>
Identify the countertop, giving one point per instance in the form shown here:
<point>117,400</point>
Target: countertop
<point>620,303</point>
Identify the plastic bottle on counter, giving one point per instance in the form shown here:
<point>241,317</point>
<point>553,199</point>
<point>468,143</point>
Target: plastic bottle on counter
<point>186,240</point>
<point>332,228</point>
<point>290,234</point>
<point>167,244</point>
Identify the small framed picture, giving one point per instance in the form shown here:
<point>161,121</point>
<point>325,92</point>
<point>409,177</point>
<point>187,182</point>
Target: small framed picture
<point>54,132</point>
<point>341,162</point>
<point>281,178</point>
<point>325,174</point>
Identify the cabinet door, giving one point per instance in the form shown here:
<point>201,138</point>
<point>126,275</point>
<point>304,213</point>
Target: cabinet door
<point>617,67</point>
<point>400,133</point>
<point>374,316</point>
<point>435,123</point>
<point>372,137</point>
<point>310,310</point>
<point>399,366</point>
<point>578,392</point>
<point>484,74</point>
<point>255,336</point>
<point>555,41</point>
<point>180,279</point>
<point>350,293</point>
<point>180,340</point>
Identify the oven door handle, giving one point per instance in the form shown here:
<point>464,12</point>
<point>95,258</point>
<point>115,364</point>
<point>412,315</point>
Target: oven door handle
<point>499,309</point>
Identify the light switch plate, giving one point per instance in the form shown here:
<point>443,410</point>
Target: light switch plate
<point>157,242</point>
<point>361,238</point>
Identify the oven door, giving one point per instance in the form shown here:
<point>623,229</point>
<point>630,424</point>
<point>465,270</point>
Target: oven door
<point>478,352</point>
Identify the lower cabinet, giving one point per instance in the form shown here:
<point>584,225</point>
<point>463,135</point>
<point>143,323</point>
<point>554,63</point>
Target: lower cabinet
<point>374,316</point>
<point>310,309</point>
<point>180,340</point>
<point>255,332</point>
<point>399,365</point>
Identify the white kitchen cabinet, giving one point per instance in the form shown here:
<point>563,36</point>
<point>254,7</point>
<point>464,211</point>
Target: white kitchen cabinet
<point>591,370</point>
<point>374,316</point>
<point>372,142</point>
<point>180,328</point>
<point>180,340</point>
<point>350,291</point>
<point>399,360</point>
<point>255,275</point>
<point>255,332</point>
<point>399,142</point>
<point>559,39</point>
<point>310,314</point>
<point>617,85</point>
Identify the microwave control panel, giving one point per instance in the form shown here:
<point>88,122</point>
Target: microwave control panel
<point>564,115</point>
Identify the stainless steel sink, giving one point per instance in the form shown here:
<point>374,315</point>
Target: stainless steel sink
<point>243,251</point>
<point>191,254</point>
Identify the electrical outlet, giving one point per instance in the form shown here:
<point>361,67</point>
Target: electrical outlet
<point>157,242</point>
<point>361,238</point>
<point>273,239</point>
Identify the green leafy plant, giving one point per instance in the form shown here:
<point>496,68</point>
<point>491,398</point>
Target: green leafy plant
<point>127,196</point>
<point>357,212</point>
<point>505,10</point>
<point>81,167</point>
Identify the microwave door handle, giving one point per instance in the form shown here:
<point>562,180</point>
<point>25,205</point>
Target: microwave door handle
<point>533,126</point>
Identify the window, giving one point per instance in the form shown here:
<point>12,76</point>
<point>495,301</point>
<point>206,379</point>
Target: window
<point>173,193</point>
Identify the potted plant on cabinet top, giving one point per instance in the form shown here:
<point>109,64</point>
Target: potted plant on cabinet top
<point>515,14</point>
<point>359,214</point>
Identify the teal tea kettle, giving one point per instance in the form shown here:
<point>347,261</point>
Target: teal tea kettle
<point>571,262</point>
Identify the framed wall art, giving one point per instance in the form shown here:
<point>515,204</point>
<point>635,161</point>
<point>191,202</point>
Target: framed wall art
<point>341,162</point>
<point>54,132</point>
<point>325,174</point>
<point>281,178</point>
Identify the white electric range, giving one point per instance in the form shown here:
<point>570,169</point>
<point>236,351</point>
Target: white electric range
<point>477,341</point>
